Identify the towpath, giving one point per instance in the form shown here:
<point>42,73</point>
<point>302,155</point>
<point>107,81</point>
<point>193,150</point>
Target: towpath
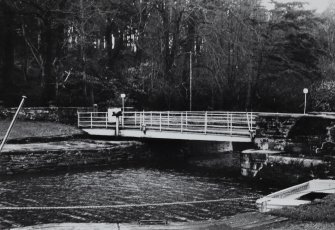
<point>250,220</point>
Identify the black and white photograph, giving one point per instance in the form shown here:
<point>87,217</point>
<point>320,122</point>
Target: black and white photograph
<point>167,114</point>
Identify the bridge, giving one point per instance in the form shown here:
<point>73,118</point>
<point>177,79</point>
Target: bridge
<point>181,125</point>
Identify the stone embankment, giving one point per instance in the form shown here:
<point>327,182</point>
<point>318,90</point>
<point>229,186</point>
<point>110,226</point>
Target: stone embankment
<point>295,146</point>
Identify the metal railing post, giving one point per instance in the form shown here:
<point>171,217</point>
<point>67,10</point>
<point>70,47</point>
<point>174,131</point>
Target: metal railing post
<point>12,123</point>
<point>168,119</point>
<point>106,120</point>
<point>160,121</point>
<point>151,119</point>
<point>206,122</point>
<point>227,119</point>
<point>231,124</point>
<point>181,122</point>
<point>251,121</point>
<point>143,118</point>
<point>91,120</point>
<point>78,119</point>
<point>135,118</point>
<point>186,119</point>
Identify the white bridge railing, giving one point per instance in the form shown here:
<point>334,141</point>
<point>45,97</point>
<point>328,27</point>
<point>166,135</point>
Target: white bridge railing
<point>215,123</point>
<point>94,120</point>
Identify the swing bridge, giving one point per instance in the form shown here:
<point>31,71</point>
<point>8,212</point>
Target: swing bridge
<point>180,125</point>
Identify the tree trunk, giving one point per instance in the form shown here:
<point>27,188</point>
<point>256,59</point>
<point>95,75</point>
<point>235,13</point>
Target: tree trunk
<point>49,94</point>
<point>8,50</point>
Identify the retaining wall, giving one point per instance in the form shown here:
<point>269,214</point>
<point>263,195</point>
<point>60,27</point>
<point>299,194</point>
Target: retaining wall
<point>294,133</point>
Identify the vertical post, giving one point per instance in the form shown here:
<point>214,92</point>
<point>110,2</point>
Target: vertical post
<point>190,81</point>
<point>227,119</point>
<point>186,119</point>
<point>122,119</point>
<point>251,121</point>
<point>206,122</point>
<point>231,124</point>
<point>78,119</point>
<point>135,119</point>
<point>91,120</point>
<point>12,123</point>
<point>117,126</point>
<point>143,118</point>
<point>168,118</point>
<point>151,119</point>
<point>305,91</point>
<point>181,122</point>
<point>305,103</point>
<point>122,97</point>
<point>160,121</point>
<point>106,120</point>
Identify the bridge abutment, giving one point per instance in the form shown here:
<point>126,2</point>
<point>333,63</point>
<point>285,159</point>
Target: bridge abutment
<point>291,147</point>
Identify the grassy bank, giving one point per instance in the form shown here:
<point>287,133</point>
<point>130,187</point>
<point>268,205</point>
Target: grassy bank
<point>318,211</point>
<point>31,129</point>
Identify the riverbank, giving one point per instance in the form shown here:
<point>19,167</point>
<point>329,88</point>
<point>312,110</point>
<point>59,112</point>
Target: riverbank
<point>319,210</point>
<point>25,131</point>
<point>250,220</point>
<point>73,154</point>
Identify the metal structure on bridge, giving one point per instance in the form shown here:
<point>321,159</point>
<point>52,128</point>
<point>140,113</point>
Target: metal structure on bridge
<point>200,125</point>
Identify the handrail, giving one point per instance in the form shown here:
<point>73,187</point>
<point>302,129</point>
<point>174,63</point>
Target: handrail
<point>11,124</point>
<point>205,122</point>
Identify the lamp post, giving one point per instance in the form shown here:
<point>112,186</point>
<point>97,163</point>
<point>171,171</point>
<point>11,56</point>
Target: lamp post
<point>305,91</point>
<point>122,97</point>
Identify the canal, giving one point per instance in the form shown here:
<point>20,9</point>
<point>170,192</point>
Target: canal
<point>121,186</point>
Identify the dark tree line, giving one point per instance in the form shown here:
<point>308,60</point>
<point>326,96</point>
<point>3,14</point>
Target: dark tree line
<point>241,55</point>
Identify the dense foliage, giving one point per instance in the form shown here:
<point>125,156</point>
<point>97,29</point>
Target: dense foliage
<point>240,55</point>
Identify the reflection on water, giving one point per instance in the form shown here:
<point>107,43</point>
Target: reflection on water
<point>120,186</point>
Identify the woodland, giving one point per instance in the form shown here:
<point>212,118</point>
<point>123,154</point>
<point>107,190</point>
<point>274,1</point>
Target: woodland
<point>235,54</point>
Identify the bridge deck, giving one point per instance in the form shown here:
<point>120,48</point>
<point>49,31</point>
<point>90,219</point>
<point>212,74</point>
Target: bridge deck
<point>206,126</point>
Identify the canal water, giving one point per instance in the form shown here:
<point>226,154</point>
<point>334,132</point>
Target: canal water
<point>121,186</point>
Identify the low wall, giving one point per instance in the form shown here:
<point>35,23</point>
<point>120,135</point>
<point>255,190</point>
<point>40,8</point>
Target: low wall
<point>67,115</point>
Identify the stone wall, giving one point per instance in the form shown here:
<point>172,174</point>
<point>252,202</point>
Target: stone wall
<point>294,133</point>
<point>67,115</point>
<point>272,130</point>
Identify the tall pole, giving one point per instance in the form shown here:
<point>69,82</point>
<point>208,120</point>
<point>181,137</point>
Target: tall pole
<point>190,80</point>
<point>12,123</point>
<point>122,105</point>
<point>305,91</point>
<point>122,97</point>
<point>305,103</point>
